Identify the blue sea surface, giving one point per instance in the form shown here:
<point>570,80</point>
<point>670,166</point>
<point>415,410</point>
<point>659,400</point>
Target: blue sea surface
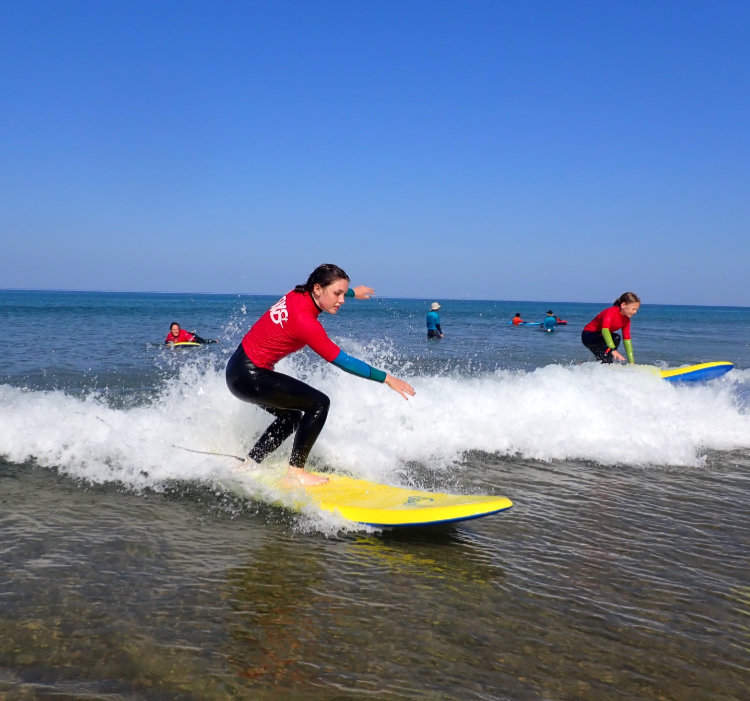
<point>134,566</point>
<point>101,331</point>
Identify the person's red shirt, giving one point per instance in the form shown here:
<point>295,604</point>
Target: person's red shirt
<point>610,318</point>
<point>290,324</point>
<point>517,320</point>
<point>182,337</point>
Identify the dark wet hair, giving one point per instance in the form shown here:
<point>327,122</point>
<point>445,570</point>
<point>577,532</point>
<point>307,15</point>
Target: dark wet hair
<point>323,275</point>
<point>174,323</point>
<point>627,298</point>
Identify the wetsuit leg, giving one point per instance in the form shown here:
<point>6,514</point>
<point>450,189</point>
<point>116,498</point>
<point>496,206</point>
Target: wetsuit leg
<point>594,341</point>
<point>286,423</point>
<point>296,406</point>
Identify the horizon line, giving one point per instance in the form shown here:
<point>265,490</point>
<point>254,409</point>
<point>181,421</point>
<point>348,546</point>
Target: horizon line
<point>267,294</point>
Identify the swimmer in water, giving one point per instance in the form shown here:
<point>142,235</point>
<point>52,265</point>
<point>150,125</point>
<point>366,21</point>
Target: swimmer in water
<point>433,322</point>
<point>550,321</point>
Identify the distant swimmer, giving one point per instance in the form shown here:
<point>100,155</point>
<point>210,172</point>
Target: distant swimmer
<point>550,321</point>
<point>517,319</point>
<point>178,335</point>
<point>288,326</point>
<point>433,322</point>
<point>598,334</point>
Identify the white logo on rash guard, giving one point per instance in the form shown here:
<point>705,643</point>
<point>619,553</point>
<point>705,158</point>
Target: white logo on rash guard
<point>279,312</point>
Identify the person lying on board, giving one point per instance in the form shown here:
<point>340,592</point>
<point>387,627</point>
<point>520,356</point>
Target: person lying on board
<point>598,334</point>
<point>178,335</point>
<point>517,319</point>
<point>288,326</point>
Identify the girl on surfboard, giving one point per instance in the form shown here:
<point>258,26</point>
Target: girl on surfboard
<point>178,335</point>
<point>289,325</point>
<point>598,334</point>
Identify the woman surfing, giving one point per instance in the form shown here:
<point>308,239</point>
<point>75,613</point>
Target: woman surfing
<point>288,326</point>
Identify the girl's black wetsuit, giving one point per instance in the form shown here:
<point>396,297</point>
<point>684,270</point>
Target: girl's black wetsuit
<point>296,406</point>
<point>598,346</point>
<point>286,327</point>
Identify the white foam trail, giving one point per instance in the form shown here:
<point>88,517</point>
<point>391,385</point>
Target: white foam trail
<point>588,412</point>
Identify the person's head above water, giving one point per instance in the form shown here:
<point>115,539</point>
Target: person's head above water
<point>628,302</point>
<point>327,286</point>
<point>174,328</point>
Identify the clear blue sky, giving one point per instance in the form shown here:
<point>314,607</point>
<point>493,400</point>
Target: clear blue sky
<point>544,150</point>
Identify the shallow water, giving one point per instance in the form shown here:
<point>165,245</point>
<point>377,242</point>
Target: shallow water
<point>590,588</point>
<point>129,570</point>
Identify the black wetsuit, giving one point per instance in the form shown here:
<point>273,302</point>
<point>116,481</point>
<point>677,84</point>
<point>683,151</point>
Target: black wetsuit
<point>594,341</point>
<point>296,406</point>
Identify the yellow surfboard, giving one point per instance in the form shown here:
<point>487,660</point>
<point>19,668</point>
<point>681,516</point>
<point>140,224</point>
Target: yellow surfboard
<point>376,504</point>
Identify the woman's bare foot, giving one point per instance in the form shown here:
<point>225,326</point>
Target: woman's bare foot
<point>297,477</point>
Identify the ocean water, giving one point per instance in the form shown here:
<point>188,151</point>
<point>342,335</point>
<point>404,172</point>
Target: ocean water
<point>133,567</point>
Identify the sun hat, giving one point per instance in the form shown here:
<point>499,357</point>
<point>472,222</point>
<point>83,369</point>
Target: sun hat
<point>434,306</point>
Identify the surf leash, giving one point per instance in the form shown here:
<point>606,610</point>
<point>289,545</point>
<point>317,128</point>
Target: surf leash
<point>209,452</point>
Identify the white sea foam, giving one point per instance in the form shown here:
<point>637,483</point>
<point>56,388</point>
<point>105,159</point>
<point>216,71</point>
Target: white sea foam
<point>617,416</point>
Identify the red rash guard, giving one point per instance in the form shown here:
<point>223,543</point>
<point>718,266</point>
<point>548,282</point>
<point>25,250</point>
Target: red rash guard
<point>610,318</point>
<point>182,337</point>
<point>290,324</point>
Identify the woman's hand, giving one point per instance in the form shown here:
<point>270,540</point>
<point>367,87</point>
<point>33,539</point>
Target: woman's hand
<point>403,388</point>
<point>618,356</point>
<point>363,292</point>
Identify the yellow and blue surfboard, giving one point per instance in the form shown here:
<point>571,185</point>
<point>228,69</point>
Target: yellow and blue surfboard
<point>697,373</point>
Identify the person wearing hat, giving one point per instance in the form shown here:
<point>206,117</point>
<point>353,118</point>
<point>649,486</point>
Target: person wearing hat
<point>550,321</point>
<point>433,322</point>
